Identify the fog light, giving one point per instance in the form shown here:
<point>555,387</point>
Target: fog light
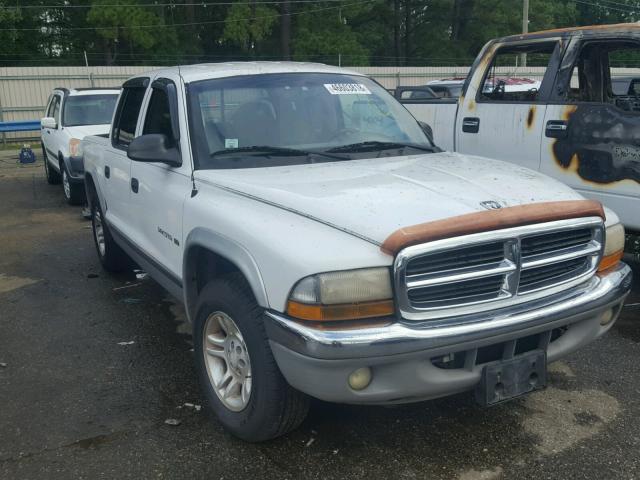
<point>606,317</point>
<point>360,378</point>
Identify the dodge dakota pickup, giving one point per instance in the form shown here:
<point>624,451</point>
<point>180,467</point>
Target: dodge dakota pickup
<point>575,125</point>
<point>324,247</point>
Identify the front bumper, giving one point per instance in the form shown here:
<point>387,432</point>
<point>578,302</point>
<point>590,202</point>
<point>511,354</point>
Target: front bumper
<point>413,361</point>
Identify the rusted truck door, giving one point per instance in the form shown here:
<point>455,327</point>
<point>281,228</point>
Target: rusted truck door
<point>591,139</point>
<point>502,113</point>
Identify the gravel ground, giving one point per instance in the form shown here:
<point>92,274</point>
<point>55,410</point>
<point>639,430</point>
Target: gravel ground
<point>92,365</point>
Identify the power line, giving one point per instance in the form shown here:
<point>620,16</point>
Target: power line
<point>199,4</point>
<point>212,22</point>
<point>628,8</point>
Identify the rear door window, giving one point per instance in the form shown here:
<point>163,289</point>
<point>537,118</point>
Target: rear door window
<point>126,119</point>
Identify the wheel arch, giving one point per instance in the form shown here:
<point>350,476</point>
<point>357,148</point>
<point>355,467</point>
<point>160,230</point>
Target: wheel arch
<point>209,254</point>
<point>93,191</point>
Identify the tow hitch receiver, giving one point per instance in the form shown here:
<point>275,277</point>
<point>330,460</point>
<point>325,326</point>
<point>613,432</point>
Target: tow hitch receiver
<point>507,379</point>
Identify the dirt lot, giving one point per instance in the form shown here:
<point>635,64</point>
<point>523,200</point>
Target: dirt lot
<point>79,400</point>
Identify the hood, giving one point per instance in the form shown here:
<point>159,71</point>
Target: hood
<point>373,198</point>
<point>82,131</point>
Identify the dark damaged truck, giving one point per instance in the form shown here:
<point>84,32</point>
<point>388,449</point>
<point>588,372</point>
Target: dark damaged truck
<point>576,124</point>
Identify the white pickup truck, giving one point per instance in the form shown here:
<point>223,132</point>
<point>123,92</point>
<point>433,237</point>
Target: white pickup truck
<point>71,114</point>
<point>576,125</point>
<point>323,247</point>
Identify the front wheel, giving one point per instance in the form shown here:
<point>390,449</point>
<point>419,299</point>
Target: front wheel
<point>73,192</point>
<point>238,374</point>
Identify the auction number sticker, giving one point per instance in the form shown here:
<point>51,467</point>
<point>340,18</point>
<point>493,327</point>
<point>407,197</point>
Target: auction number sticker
<point>347,89</point>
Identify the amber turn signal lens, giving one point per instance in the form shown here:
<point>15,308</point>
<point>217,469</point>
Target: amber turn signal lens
<point>350,311</point>
<point>610,261</point>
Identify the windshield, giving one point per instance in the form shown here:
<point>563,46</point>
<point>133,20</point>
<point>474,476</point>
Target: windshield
<point>310,115</point>
<point>88,109</point>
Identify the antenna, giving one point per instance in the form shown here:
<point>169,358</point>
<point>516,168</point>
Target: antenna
<point>194,190</point>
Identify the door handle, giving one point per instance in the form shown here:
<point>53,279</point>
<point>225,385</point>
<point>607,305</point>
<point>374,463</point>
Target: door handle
<point>107,171</point>
<point>556,129</point>
<point>470,124</point>
<point>134,185</point>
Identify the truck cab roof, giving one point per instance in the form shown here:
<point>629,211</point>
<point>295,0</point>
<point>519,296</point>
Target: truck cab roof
<point>203,71</point>
<point>584,31</point>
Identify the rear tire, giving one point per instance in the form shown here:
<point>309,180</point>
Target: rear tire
<point>272,407</point>
<point>53,177</point>
<point>73,192</point>
<point>111,256</point>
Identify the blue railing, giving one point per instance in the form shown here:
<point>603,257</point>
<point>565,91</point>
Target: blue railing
<point>22,126</point>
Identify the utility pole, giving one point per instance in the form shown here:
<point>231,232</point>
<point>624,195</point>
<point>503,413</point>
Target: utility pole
<point>525,26</point>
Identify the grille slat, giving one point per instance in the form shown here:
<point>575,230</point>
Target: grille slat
<point>536,277</point>
<point>540,244</point>
<point>487,269</point>
<point>471,257</point>
<point>459,290</point>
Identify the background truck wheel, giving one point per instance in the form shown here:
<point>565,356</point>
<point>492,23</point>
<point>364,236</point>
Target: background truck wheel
<point>53,177</point>
<point>73,192</point>
<point>237,372</point>
<point>112,257</point>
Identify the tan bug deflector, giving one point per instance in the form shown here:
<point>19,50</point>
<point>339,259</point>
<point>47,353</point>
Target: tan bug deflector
<point>490,220</point>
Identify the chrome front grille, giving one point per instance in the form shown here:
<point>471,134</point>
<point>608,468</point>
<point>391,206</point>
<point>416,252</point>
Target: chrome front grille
<point>487,270</point>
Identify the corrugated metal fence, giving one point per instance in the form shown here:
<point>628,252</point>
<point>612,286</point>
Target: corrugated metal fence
<point>24,90</point>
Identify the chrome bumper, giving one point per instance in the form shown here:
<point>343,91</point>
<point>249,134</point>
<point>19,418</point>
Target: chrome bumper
<point>319,361</point>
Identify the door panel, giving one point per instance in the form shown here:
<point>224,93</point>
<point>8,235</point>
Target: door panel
<point>116,187</point>
<point>509,132</point>
<point>599,155</point>
<point>157,206</point>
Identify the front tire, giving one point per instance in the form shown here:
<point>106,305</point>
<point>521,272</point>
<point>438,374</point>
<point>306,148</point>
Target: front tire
<point>238,374</point>
<point>112,257</point>
<point>73,192</point>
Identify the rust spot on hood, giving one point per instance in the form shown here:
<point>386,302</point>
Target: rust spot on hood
<point>531,116</point>
<point>490,220</point>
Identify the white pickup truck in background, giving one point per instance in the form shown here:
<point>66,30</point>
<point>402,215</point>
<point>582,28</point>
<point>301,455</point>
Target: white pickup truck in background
<point>324,247</point>
<point>71,114</point>
<point>578,126</point>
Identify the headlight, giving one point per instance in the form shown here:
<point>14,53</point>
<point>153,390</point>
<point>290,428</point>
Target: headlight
<point>75,147</point>
<point>613,247</point>
<point>345,295</point>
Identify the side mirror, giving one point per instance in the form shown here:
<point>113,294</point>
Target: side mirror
<point>48,122</point>
<point>154,147</point>
<point>428,131</point>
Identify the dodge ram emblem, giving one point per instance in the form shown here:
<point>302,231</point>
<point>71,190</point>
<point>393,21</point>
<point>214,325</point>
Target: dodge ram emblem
<point>491,205</point>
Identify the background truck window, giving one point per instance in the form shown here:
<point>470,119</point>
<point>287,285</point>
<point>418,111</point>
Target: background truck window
<point>124,127</point>
<point>505,81</point>
<point>607,72</point>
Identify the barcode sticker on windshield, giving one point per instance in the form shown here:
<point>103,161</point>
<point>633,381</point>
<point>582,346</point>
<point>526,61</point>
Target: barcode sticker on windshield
<point>347,89</point>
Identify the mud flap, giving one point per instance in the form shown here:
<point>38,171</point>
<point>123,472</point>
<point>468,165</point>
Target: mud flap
<point>507,379</point>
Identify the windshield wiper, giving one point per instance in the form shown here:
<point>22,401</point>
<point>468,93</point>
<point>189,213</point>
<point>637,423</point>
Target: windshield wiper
<point>269,150</point>
<point>374,146</point>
